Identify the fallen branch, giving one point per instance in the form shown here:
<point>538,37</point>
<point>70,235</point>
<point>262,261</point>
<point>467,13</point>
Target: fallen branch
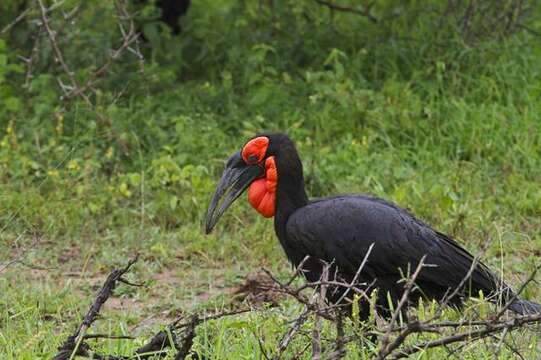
<point>74,344</point>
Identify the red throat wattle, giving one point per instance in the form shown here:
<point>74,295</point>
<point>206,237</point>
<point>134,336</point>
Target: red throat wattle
<point>262,192</point>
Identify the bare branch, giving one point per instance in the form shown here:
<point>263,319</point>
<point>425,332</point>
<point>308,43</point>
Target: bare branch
<point>316,331</point>
<point>107,336</point>
<point>519,291</point>
<point>74,343</point>
<point>340,341</point>
<point>386,346</point>
<point>18,19</point>
<point>59,57</point>
<point>489,328</point>
<point>342,8</point>
<point>293,330</point>
<point>298,296</point>
<point>354,280</point>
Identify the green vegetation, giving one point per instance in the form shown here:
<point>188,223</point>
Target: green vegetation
<point>406,109</point>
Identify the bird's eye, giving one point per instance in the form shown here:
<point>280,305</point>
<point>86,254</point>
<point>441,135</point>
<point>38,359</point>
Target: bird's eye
<point>252,159</point>
<point>254,151</point>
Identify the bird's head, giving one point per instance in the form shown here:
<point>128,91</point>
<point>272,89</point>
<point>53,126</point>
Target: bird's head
<point>254,167</point>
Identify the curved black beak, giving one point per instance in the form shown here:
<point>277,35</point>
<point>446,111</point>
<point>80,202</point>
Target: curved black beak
<point>236,177</point>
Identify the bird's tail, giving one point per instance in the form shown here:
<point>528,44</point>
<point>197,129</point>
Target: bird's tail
<point>525,307</point>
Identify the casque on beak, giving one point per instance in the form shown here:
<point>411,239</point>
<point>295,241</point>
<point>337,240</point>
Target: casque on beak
<point>236,178</point>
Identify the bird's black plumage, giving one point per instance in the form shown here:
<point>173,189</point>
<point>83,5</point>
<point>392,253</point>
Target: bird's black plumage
<point>341,229</point>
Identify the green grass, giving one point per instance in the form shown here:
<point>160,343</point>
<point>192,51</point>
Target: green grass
<point>452,133</point>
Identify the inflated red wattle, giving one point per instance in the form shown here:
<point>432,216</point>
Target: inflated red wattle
<point>262,192</point>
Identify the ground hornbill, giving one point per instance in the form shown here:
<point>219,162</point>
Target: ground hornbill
<point>341,229</point>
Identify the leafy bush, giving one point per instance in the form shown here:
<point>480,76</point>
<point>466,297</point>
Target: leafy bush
<point>331,78</point>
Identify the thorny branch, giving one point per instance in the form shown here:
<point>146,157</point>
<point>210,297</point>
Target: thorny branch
<point>18,19</point>
<point>474,19</point>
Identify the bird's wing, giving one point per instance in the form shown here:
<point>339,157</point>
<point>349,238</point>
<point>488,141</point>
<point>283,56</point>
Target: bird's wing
<point>341,229</point>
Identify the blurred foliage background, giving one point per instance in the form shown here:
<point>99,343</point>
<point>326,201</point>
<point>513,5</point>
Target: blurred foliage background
<point>416,82</point>
<point>116,147</point>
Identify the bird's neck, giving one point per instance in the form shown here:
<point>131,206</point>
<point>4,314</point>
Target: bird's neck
<point>290,192</point>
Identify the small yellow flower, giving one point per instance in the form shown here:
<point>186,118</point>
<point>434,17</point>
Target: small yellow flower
<point>123,189</point>
<point>53,173</point>
<point>9,129</point>
<point>73,165</point>
<point>109,153</point>
<point>60,124</point>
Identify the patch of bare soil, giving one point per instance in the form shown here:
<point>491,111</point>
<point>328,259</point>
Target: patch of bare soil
<point>122,304</point>
<point>68,254</point>
<point>257,290</point>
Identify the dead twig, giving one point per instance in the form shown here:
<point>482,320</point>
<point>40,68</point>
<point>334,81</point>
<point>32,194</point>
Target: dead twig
<point>447,298</point>
<point>290,334</point>
<point>490,328</point>
<point>179,335</point>
<point>386,346</point>
<point>348,9</point>
<point>106,336</point>
<point>18,19</point>
<point>59,57</point>
<point>339,351</point>
<point>172,338</point>
<point>18,259</point>
<point>320,300</point>
<point>74,344</point>
<point>359,269</point>
<point>128,38</point>
<point>515,296</point>
<point>297,295</point>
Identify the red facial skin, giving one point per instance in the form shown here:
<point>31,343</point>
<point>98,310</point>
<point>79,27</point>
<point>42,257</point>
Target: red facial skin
<point>254,151</point>
<point>262,192</point>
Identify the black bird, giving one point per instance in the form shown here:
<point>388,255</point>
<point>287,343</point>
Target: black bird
<point>341,229</point>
